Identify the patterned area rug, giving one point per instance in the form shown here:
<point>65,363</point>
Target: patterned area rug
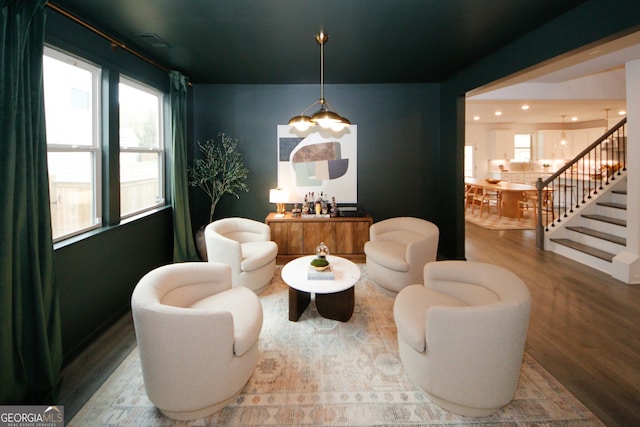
<point>323,372</point>
<point>492,222</point>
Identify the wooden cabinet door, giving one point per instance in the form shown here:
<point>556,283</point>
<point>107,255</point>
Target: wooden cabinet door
<point>351,236</point>
<point>315,232</point>
<point>288,237</point>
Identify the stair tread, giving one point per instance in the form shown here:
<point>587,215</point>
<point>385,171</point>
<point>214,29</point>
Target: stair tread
<point>619,191</point>
<point>590,250</point>
<point>613,205</point>
<point>604,218</point>
<point>599,234</point>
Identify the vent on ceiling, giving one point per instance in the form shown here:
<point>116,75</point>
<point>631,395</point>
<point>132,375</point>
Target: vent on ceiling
<point>152,39</point>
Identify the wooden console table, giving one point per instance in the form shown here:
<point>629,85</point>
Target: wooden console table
<point>296,237</point>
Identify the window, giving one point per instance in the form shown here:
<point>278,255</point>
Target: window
<point>468,161</point>
<point>522,147</point>
<point>72,89</point>
<point>141,148</point>
<point>73,149</point>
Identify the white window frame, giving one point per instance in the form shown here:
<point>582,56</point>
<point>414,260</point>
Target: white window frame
<point>519,147</point>
<point>95,147</point>
<point>160,150</point>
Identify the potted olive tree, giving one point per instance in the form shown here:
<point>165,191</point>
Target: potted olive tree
<point>219,171</point>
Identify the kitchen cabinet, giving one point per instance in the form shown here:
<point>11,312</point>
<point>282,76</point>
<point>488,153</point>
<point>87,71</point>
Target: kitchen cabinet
<point>525,177</point>
<point>502,144</point>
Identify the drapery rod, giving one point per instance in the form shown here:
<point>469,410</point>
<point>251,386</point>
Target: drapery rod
<point>114,43</point>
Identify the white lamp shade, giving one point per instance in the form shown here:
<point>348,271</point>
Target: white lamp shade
<point>278,195</point>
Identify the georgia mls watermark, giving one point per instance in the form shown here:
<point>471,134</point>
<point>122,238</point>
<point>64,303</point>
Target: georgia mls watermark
<point>31,416</point>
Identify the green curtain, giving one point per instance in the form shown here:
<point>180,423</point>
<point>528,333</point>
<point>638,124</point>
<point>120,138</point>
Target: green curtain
<point>30,335</point>
<point>183,246</point>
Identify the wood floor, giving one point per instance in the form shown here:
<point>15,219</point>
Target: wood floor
<point>584,326</point>
<point>584,329</point>
<point>85,374</point>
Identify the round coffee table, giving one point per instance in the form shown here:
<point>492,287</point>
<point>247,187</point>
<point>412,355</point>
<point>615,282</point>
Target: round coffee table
<point>335,298</point>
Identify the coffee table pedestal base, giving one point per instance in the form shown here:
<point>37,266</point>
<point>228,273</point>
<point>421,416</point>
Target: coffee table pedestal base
<point>298,302</point>
<point>337,306</point>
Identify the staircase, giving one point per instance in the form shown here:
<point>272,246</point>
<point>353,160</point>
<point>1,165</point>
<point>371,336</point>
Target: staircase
<point>595,233</point>
<point>587,217</point>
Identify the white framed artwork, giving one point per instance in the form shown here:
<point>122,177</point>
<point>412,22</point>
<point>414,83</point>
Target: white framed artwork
<point>318,160</point>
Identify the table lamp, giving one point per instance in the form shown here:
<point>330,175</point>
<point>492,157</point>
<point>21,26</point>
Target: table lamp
<point>279,197</point>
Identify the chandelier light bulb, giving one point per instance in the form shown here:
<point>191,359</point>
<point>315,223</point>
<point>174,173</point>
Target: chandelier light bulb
<point>302,126</point>
<point>301,122</point>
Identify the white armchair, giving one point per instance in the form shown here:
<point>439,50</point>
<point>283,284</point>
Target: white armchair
<point>197,337</point>
<point>245,245</point>
<point>461,335</point>
<point>397,251</point>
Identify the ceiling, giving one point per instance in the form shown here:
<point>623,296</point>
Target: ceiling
<point>370,41</point>
<point>588,85</point>
<point>272,41</point>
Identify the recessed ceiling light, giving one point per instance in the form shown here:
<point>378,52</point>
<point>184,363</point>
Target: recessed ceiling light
<point>525,106</point>
<point>498,113</point>
<point>574,119</point>
<point>476,118</point>
<point>622,113</point>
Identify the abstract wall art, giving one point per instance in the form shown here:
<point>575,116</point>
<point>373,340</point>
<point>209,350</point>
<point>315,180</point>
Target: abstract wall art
<point>318,160</point>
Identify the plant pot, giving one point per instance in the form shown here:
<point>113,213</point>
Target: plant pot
<point>201,244</point>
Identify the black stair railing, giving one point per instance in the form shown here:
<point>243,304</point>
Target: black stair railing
<point>580,179</point>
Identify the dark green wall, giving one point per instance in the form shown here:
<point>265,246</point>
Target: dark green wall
<point>397,137</point>
<point>97,274</point>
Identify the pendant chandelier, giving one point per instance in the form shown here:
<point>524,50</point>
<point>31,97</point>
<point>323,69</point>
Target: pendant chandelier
<point>563,136</point>
<point>324,117</point>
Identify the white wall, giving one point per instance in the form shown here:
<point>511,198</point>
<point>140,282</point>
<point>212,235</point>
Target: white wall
<point>627,263</point>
